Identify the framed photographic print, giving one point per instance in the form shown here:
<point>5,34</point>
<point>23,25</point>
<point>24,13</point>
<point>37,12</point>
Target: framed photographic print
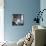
<point>18,19</point>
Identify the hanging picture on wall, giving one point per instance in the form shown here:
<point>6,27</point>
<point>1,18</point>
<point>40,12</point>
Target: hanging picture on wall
<point>18,19</point>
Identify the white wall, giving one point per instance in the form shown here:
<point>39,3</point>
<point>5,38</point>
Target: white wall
<point>1,20</point>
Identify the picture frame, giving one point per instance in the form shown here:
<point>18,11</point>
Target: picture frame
<point>18,19</point>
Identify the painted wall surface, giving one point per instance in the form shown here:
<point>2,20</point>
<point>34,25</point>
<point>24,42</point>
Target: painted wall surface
<point>43,6</point>
<point>26,7</point>
<point>1,20</point>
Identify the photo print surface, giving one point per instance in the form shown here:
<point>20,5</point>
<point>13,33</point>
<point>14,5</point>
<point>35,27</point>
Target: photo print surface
<point>18,19</point>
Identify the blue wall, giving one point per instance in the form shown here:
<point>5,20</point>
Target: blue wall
<point>26,7</point>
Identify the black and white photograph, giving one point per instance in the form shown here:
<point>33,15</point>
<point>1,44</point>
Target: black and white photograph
<point>18,19</point>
